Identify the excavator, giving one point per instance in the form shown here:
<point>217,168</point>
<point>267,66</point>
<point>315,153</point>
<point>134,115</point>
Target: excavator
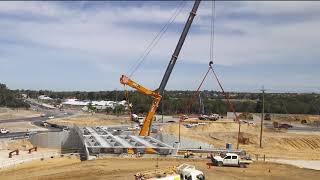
<point>157,94</point>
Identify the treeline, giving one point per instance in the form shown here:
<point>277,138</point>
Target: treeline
<point>175,102</point>
<point>10,98</point>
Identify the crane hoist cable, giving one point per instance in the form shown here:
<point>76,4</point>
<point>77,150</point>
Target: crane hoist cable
<point>226,95</point>
<point>157,94</point>
<point>156,39</point>
<point>210,57</point>
<point>230,106</point>
<point>196,93</point>
<point>126,94</point>
<point>213,15</point>
<point>150,47</point>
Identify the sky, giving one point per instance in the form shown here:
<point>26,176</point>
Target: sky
<point>80,45</point>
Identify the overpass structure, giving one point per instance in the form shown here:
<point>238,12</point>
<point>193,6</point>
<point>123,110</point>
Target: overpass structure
<point>108,140</point>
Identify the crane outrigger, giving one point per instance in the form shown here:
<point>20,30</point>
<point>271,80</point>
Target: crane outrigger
<point>157,94</point>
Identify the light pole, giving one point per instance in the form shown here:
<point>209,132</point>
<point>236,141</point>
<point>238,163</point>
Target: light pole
<point>179,128</point>
<point>117,103</point>
<point>262,116</point>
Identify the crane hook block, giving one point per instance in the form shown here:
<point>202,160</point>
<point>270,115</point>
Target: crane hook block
<point>124,79</point>
<point>210,63</point>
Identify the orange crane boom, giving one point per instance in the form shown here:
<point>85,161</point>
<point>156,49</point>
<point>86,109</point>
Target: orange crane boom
<point>145,130</point>
<point>155,103</point>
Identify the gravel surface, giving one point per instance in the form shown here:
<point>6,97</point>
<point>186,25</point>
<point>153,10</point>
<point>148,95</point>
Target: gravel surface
<point>309,164</point>
<point>184,143</point>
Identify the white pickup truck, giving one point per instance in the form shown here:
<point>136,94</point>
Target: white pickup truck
<point>231,159</point>
<point>189,172</point>
<point>4,131</point>
<point>182,172</point>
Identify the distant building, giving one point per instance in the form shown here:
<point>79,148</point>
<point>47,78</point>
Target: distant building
<point>75,103</point>
<point>44,97</point>
<point>24,96</point>
<point>99,105</point>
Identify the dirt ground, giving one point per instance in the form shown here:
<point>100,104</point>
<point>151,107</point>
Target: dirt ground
<point>296,118</point>
<point>21,144</point>
<point>276,144</point>
<point>124,169</point>
<point>21,127</point>
<point>91,120</point>
<point>7,113</point>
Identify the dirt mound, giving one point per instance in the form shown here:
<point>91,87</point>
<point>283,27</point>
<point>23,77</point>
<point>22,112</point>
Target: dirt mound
<point>303,143</point>
<point>22,144</point>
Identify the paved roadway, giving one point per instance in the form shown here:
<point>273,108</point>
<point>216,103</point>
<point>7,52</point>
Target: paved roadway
<point>36,121</point>
<point>296,127</point>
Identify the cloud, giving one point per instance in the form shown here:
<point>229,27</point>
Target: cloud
<point>112,35</point>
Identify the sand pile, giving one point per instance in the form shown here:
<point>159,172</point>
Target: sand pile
<point>21,144</point>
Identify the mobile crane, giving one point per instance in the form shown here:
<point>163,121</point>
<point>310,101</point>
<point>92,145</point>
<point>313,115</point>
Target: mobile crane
<point>157,94</point>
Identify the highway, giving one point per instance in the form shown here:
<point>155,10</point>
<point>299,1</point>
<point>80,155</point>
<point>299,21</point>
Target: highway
<point>15,135</point>
<point>36,121</point>
<point>296,127</point>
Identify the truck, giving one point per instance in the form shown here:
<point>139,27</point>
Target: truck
<point>203,117</point>
<point>214,117</point>
<point>137,119</point>
<point>231,159</point>
<point>182,172</point>
<point>4,131</point>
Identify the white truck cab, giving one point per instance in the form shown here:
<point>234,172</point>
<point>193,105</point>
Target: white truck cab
<point>182,172</point>
<point>189,172</point>
<point>230,159</point>
<point>214,117</point>
<point>4,131</point>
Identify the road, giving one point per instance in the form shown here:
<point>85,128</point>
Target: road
<point>15,135</point>
<point>296,127</point>
<point>36,121</point>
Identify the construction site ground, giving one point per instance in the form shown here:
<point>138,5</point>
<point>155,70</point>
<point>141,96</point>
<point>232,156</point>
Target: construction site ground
<point>21,127</point>
<point>125,168</point>
<point>6,146</point>
<point>281,144</point>
<point>8,113</point>
<point>276,143</point>
<point>289,147</point>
